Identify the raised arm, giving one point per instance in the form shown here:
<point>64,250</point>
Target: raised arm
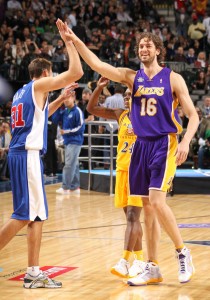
<point>74,71</point>
<point>180,90</point>
<point>53,106</point>
<point>122,75</point>
<point>101,111</point>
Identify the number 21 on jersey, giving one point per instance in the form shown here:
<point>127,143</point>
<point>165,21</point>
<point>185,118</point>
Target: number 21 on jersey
<point>17,116</point>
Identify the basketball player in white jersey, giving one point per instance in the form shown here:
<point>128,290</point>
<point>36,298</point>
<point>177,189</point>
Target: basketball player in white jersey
<point>29,116</point>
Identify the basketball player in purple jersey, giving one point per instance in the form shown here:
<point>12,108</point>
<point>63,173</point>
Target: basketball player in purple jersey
<point>156,92</point>
<point>29,114</point>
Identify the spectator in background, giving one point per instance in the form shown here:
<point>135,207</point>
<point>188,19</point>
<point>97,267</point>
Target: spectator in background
<point>180,56</point>
<point>196,141</point>
<point>197,47</point>
<point>182,42</point>
<point>199,6</point>
<point>206,23</point>
<point>72,19</point>
<point>14,5</point>
<point>191,58</point>
<point>59,58</point>
<point>205,107</point>
<point>170,52</point>
<point>112,12</point>
<point>201,61</point>
<point>207,79</point>
<point>204,152</point>
<point>46,53</point>
<point>182,22</point>
<point>6,60</point>
<point>123,16</point>
<point>18,51</point>
<point>82,104</point>
<point>94,23</point>
<point>199,83</point>
<point>2,10</point>
<point>60,150</point>
<point>50,158</point>
<point>36,5</point>
<point>151,13</point>
<point>5,138</point>
<point>7,109</point>
<point>32,54</point>
<point>196,30</point>
<point>80,30</point>
<point>204,136</point>
<point>73,126</point>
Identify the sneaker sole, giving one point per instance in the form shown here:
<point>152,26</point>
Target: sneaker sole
<point>133,284</point>
<point>41,287</point>
<point>114,272</point>
<point>190,277</point>
<point>154,281</point>
<point>60,193</point>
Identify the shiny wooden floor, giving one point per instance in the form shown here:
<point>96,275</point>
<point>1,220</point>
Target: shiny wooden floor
<point>87,232</point>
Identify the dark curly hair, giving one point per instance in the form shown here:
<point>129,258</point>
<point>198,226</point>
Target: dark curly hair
<point>157,42</point>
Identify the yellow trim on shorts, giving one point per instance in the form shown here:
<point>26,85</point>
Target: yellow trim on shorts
<point>122,197</point>
<point>170,168</point>
<point>135,200</point>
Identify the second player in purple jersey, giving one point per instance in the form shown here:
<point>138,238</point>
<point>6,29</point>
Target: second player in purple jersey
<point>154,105</point>
<point>156,92</point>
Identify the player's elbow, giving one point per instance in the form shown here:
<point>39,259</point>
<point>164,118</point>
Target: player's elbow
<point>90,109</point>
<point>78,74</point>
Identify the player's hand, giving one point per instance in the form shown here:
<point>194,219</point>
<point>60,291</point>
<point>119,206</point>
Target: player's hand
<point>72,86</point>
<point>69,91</point>
<point>62,29</point>
<point>103,81</point>
<point>182,152</point>
<point>70,35</point>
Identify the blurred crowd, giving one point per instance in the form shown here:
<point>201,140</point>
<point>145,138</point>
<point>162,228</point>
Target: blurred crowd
<point>109,28</point>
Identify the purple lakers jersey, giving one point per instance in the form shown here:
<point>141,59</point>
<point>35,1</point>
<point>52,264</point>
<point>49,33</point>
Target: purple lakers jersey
<point>154,110</point>
<point>28,121</point>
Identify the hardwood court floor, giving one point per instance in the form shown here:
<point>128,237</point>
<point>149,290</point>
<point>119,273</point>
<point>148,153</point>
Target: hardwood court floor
<point>87,232</point>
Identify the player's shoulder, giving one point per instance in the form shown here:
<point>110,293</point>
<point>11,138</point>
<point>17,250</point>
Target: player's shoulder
<point>176,78</point>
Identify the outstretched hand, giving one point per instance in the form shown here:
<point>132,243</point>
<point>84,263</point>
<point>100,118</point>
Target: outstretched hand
<point>64,31</point>
<point>103,81</point>
<point>70,35</point>
<point>69,90</point>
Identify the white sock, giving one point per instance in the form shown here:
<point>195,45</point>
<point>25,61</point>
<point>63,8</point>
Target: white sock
<point>33,271</point>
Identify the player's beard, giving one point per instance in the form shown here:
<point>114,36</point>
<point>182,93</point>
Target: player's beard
<point>148,61</point>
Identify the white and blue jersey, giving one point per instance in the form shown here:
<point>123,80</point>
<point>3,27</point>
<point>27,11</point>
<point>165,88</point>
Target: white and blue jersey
<point>28,121</point>
<point>29,141</point>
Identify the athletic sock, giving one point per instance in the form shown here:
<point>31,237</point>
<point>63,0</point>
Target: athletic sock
<point>179,248</point>
<point>153,261</point>
<point>33,271</point>
<point>126,254</point>
<point>138,255</point>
